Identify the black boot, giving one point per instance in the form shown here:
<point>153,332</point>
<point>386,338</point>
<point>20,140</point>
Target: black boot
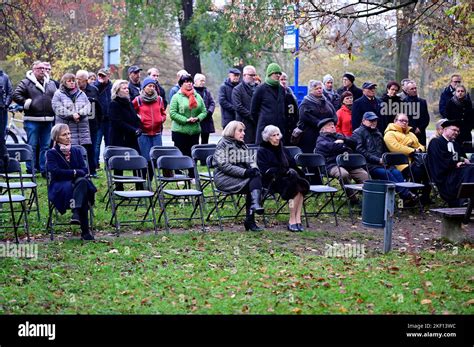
<point>75,219</point>
<point>250,224</point>
<point>255,197</point>
<point>85,232</point>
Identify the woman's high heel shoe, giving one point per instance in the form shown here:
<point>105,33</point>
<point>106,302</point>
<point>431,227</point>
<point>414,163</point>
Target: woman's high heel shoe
<point>293,228</point>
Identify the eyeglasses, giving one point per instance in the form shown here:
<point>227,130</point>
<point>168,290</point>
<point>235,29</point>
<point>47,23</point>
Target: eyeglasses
<point>457,81</point>
<point>250,74</point>
<point>40,68</point>
<point>402,120</point>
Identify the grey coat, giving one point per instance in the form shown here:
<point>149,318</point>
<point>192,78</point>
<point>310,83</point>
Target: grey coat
<point>233,158</point>
<point>64,108</point>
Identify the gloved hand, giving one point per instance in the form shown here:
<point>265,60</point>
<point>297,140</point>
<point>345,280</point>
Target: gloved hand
<point>252,172</point>
<point>292,172</point>
<point>138,132</point>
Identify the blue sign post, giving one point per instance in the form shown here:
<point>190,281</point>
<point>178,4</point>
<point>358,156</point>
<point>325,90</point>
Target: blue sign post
<point>111,50</point>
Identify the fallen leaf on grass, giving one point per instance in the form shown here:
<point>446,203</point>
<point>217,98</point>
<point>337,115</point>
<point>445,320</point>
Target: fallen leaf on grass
<point>113,251</point>
<point>296,310</point>
<point>245,309</point>
<point>469,302</point>
<point>426,302</point>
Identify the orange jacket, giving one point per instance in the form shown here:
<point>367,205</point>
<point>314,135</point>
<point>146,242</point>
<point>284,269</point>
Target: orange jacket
<point>344,124</point>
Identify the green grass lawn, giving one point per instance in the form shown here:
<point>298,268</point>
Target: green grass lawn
<point>230,273</point>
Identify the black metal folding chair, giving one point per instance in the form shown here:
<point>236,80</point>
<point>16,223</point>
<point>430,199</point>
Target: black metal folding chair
<point>434,188</point>
<point>184,163</point>
<point>312,162</point>
<point>7,198</point>
<point>200,154</point>
<point>23,155</point>
<point>221,197</point>
<point>391,159</point>
<point>118,198</point>
<point>350,161</point>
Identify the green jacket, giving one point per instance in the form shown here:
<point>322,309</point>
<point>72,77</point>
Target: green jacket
<point>180,113</point>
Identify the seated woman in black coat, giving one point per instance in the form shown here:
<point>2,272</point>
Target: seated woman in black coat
<point>69,188</point>
<point>281,175</point>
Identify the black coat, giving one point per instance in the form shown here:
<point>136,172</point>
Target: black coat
<point>225,100</point>
<point>134,90</point>
<point>105,97</point>
<point>291,115</point>
<point>242,99</point>
<point>442,166</point>
<point>446,95</point>
<point>268,108</point>
<point>95,118</point>
<point>311,114</point>
<point>390,107</point>
<point>274,163</point>
<point>356,92</point>
<point>370,144</point>
<point>61,188</point>
<point>461,110</point>
<point>363,105</point>
<point>326,146</point>
<point>207,124</point>
<point>125,123</point>
<point>418,117</point>
<point>162,93</point>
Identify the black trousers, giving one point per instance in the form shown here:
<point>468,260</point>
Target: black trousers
<point>81,203</point>
<point>184,142</point>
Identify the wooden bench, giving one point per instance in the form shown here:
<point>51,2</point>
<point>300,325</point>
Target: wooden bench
<point>454,217</point>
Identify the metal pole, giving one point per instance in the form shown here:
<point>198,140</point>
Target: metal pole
<point>388,216</point>
<point>297,60</point>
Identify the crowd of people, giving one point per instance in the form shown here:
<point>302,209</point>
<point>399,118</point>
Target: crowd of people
<point>89,109</point>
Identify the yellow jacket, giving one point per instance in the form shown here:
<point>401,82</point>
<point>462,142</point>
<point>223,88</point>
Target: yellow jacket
<point>401,141</point>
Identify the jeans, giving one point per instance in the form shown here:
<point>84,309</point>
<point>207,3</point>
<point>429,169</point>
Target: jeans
<point>38,135</point>
<point>146,142</point>
<point>102,131</point>
<point>3,121</point>
<point>393,175</point>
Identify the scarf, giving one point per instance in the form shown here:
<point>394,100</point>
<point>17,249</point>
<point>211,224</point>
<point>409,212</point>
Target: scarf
<point>271,82</point>
<point>458,102</point>
<point>191,97</point>
<point>318,101</point>
<point>148,99</point>
<point>66,150</point>
<point>71,93</point>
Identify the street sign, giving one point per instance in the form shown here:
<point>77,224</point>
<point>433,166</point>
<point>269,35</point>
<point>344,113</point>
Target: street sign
<point>289,40</point>
<point>111,50</point>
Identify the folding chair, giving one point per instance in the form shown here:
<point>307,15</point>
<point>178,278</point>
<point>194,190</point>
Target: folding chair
<point>7,198</point>
<point>200,154</point>
<point>111,151</point>
<point>392,159</point>
<point>23,155</point>
<point>350,161</point>
<point>169,162</point>
<point>220,197</point>
<point>84,156</point>
<point>424,157</point>
<point>312,162</point>
<point>294,150</point>
<point>118,198</point>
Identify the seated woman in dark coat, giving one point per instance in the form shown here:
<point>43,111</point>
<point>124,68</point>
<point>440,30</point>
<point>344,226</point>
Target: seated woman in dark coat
<point>281,175</point>
<point>69,188</point>
<point>237,171</point>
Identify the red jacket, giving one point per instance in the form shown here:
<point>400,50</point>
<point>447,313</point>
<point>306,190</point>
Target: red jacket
<point>344,124</point>
<point>152,115</point>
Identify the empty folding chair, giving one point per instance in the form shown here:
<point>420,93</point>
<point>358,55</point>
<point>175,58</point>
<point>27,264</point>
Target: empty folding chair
<point>119,198</point>
<point>312,162</point>
<point>178,163</point>
<point>349,162</point>
<point>23,155</point>
<point>200,154</point>
<point>294,150</point>
<point>10,200</point>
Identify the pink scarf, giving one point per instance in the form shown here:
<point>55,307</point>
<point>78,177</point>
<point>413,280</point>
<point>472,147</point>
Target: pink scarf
<point>66,150</point>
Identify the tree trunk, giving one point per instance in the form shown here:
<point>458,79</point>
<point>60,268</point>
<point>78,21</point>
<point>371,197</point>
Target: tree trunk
<point>404,42</point>
<point>191,58</point>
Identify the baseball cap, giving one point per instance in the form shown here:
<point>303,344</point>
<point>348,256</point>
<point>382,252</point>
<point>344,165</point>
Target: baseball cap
<point>234,71</point>
<point>133,68</point>
<point>370,116</point>
<point>368,85</point>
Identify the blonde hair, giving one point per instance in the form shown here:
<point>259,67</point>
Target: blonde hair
<point>229,130</point>
<point>116,87</point>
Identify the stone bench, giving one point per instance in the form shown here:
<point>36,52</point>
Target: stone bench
<point>452,219</point>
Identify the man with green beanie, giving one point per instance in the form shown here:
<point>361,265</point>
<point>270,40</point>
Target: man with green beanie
<point>268,102</point>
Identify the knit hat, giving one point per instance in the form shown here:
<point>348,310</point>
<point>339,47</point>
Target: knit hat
<point>327,77</point>
<point>345,95</point>
<point>349,76</point>
<point>148,81</point>
<point>273,68</point>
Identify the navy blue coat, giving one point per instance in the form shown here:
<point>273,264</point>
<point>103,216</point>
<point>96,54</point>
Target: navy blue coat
<point>61,188</point>
<point>105,97</point>
<point>125,123</point>
<point>207,124</point>
<point>225,100</point>
<point>363,105</point>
